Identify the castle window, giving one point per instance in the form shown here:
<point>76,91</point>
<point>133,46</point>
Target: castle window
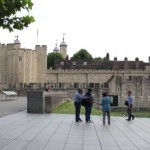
<point>76,85</point>
<point>84,63</point>
<point>97,85</point>
<point>74,63</point>
<point>130,78</point>
<point>106,85</point>
<point>91,85</point>
<point>62,63</point>
<point>60,85</point>
<point>20,58</point>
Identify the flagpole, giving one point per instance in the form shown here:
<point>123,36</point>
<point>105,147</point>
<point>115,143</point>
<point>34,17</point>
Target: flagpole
<point>37,36</point>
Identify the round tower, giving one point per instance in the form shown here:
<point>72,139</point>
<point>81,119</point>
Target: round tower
<point>63,48</point>
<point>56,48</point>
<point>16,40</point>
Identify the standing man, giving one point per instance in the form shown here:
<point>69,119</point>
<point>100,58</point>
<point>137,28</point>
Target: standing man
<point>88,105</point>
<point>105,102</point>
<point>129,107</point>
<point>77,104</point>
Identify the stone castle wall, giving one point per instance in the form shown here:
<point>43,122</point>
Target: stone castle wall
<point>113,82</point>
<point>18,65</point>
<point>28,68</point>
<point>3,62</point>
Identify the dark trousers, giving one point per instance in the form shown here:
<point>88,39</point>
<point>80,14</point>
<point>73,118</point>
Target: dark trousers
<point>88,112</point>
<point>129,112</point>
<point>104,115</point>
<point>77,111</point>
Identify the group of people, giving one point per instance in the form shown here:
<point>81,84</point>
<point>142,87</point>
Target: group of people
<point>105,103</point>
<point>78,97</point>
<point>89,100</point>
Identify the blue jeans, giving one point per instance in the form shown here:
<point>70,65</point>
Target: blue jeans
<point>77,111</point>
<point>87,112</point>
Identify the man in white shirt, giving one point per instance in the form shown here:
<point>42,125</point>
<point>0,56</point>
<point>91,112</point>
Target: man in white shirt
<point>129,107</point>
<point>77,104</point>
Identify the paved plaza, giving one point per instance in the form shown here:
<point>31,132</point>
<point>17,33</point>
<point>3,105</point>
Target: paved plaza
<point>24,131</point>
<point>12,105</point>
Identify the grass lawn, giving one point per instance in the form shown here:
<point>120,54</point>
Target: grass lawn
<point>67,107</point>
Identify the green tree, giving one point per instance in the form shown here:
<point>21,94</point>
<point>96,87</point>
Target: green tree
<point>106,58</point>
<point>98,58</point>
<point>10,18</point>
<point>52,57</point>
<point>82,55</point>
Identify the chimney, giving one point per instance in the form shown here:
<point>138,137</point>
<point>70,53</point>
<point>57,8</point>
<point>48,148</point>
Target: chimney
<point>137,62</point>
<point>115,66</point>
<point>125,63</point>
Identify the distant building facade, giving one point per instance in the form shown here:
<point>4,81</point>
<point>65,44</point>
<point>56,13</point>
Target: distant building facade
<point>25,66</point>
<point>114,77</point>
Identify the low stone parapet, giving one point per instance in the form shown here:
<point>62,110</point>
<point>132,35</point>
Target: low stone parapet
<point>53,99</point>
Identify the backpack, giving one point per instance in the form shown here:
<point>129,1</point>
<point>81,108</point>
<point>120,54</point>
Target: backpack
<point>84,100</point>
<point>126,103</point>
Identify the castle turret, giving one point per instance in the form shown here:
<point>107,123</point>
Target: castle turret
<point>63,48</point>
<point>16,40</point>
<point>107,56</point>
<point>56,48</point>
<point>17,44</point>
<point>137,62</point>
<point>125,63</point>
<point>115,66</point>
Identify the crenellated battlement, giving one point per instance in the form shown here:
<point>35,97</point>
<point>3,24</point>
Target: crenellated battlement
<point>40,47</point>
<point>10,46</point>
<point>3,46</point>
<point>14,46</point>
<point>99,71</point>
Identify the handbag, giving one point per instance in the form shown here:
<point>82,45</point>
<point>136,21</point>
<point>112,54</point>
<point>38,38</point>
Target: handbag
<point>126,103</point>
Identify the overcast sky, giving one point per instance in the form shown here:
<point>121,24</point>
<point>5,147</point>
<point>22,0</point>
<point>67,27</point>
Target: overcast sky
<point>119,27</point>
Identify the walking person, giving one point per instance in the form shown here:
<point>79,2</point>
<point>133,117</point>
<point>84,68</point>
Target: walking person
<point>129,107</point>
<point>105,102</point>
<point>88,105</point>
<point>77,104</point>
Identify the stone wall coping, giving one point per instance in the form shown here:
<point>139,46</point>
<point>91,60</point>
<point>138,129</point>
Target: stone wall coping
<point>96,71</point>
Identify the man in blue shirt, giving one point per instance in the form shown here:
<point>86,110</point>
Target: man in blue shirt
<point>77,104</point>
<point>129,107</point>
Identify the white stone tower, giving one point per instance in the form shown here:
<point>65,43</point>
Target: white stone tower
<point>63,48</point>
<point>20,65</point>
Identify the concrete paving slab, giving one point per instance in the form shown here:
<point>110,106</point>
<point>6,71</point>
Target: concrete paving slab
<point>26,131</point>
<point>11,106</point>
